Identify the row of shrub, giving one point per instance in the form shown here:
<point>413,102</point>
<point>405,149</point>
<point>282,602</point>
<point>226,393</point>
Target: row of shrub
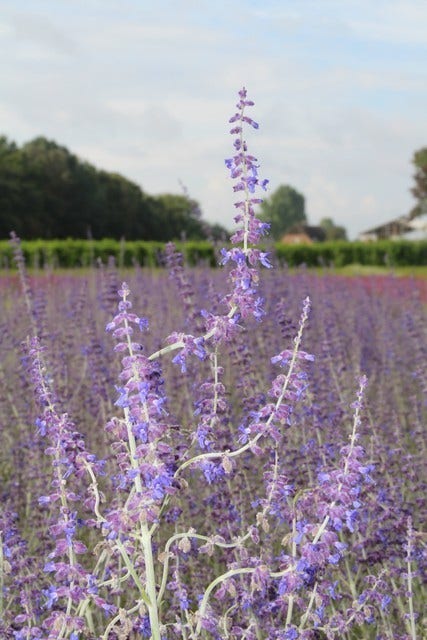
<point>73,253</point>
<point>84,253</point>
<point>397,253</point>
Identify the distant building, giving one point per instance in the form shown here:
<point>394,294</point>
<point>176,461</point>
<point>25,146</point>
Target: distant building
<point>304,234</point>
<point>401,227</point>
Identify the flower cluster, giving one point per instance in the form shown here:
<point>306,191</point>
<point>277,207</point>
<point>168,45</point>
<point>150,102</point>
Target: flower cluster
<point>190,346</point>
<point>286,389</point>
<point>71,463</point>
<point>322,514</point>
<point>19,577</point>
<point>244,169</point>
<point>143,449</point>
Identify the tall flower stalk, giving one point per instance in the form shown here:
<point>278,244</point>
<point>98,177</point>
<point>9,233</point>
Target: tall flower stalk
<point>144,453</point>
<point>71,463</point>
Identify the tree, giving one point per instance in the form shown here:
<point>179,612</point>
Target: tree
<point>47,192</point>
<point>419,191</point>
<point>283,209</point>
<point>333,232</point>
<point>49,171</point>
<point>11,172</point>
<point>180,217</point>
<point>216,232</point>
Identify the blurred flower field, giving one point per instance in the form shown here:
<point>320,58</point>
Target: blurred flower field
<point>197,454</point>
<point>363,325</point>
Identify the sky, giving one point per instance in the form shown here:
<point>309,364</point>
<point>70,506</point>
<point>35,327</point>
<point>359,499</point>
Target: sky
<point>145,88</point>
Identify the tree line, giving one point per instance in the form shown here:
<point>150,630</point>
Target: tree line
<point>48,192</point>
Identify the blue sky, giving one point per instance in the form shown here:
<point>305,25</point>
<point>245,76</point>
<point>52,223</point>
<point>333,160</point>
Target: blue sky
<point>146,89</point>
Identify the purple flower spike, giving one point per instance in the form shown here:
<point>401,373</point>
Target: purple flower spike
<point>243,169</point>
<point>148,466</point>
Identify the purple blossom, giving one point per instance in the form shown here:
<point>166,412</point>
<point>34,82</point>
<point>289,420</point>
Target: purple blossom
<point>142,398</point>
<point>212,471</point>
<point>262,514</point>
<point>191,346</point>
<point>243,168</point>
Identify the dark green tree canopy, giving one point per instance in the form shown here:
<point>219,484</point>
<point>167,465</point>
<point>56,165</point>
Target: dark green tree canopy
<point>419,191</point>
<point>183,216</point>
<point>283,209</point>
<point>333,231</point>
<point>48,192</point>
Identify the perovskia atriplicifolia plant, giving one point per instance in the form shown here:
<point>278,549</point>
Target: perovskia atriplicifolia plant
<point>193,524</point>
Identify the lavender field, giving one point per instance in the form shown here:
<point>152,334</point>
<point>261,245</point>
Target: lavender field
<point>213,454</point>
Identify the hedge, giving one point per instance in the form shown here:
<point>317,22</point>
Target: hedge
<point>85,253</point>
<point>397,253</point>
<point>73,253</point>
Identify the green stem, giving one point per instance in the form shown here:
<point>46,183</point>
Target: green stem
<point>190,534</point>
<point>149,595</point>
<point>211,587</point>
<point>291,597</point>
<point>250,443</point>
<point>410,586</point>
<point>179,344</point>
<point>304,617</point>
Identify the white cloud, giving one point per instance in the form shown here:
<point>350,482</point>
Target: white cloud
<point>397,22</point>
<point>6,30</point>
<point>390,21</point>
<point>147,92</point>
<point>39,30</point>
<point>15,123</point>
<point>369,206</point>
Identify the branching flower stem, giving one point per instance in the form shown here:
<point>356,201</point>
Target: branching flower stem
<point>60,480</point>
<point>225,576</point>
<point>179,344</point>
<point>148,594</point>
<point>197,536</point>
<point>291,597</point>
<point>353,438</point>
<point>409,581</point>
<point>232,454</point>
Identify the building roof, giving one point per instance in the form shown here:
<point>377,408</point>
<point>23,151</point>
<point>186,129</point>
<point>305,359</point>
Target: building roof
<point>396,227</point>
<point>315,234</point>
